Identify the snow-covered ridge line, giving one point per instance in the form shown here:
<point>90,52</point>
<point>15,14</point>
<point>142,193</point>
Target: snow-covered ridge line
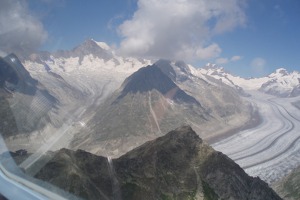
<point>279,83</point>
<point>99,58</point>
<point>89,71</point>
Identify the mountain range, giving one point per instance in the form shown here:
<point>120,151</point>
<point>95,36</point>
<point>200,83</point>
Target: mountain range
<point>151,102</point>
<point>89,98</point>
<point>280,83</point>
<point>95,87</point>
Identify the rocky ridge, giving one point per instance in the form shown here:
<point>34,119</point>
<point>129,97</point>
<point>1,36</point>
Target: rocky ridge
<point>178,165</point>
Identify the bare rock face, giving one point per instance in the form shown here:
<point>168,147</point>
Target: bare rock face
<point>289,186</point>
<point>178,165</point>
<point>152,78</point>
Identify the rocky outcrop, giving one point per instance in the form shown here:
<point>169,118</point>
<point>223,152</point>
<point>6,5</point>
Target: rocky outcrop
<point>178,165</point>
<point>289,186</point>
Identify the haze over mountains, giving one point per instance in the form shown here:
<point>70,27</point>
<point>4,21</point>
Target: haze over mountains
<point>91,81</point>
<point>164,96</point>
<point>108,105</point>
<point>28,100</point>
<point>91,87</point>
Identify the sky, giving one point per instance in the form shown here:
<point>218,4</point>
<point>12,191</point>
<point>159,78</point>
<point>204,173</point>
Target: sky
<point>249,38</point>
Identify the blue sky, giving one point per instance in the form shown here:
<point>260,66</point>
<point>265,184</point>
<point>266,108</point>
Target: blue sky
<point>246,37</point>
<point>70,22</point>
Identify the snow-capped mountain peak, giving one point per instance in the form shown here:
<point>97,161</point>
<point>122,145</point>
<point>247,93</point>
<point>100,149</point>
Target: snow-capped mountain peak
<point>282,83</point>
<point>280,72</point>
<point>90,47</point>
<point>214,69</point>
<point>211,65</point>
<point>103,45</point>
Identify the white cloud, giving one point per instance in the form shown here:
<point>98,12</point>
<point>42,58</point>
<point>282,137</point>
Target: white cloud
<point>258,62</point>
<point>235,58</point>
<point>258,65</point>
<point>179,29</point>
<point>20,31</point>
<point>206,53</point>
<point>229,15</point>
<point>221,61</point>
